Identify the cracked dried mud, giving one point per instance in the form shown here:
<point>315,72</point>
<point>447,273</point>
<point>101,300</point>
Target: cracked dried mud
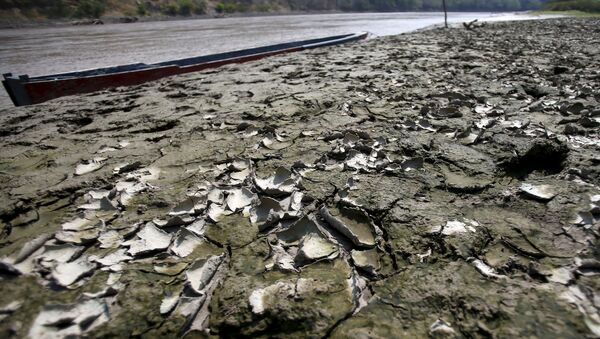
<point>442,183</point>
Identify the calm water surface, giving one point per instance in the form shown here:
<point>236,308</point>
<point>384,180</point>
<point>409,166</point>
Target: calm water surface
<point>39,51</point>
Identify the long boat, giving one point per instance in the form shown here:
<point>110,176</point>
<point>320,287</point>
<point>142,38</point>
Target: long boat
<point>24,90</point>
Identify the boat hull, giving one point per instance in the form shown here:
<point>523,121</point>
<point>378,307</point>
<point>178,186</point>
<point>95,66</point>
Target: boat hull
<point>27,91</point>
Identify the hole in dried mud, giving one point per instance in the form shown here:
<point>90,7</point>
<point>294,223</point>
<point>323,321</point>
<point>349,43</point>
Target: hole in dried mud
<point>159,127</point>
<point>545,157</point>
<point>81,121</point>
<point>535,91</point>
<point>19,119</point>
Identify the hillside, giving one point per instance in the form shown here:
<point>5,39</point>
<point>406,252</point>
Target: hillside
<point>61,9</point>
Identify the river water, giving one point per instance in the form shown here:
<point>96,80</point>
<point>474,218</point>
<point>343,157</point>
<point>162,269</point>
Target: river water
<point>48,50</point>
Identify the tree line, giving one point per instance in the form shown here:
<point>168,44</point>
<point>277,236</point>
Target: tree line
<point>58,8</point>
<point>417,5</point>
<point>96,8</point>
<point>575,5</point>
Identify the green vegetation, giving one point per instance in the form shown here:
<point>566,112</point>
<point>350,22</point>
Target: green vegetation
<point>574,5</point>
<point>228,7</point>
<point>184,7</point>
<point>142,9</point>
<point>57,8</point>
<point>97,8</point>
<point>169,9</point>
<point>416,5</point>
<point>196,7</point>
<point>265,7</point>
<point>577,14</point>
<point>89,9</point>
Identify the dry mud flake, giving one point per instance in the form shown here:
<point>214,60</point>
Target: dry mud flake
<point>352,223</point>
<point>90,166</point>
<point>70,320</point>
<point>281,183</point>
<point>314,247</point>
<point>539,192</point>
<point>9,309</point>
<point>113,258</point>
<point>240,198</point>
<point>367,260</point>
<point>185,242</point>
<point>202,271</point>
<point>68,273</point>
<point>148,239</point>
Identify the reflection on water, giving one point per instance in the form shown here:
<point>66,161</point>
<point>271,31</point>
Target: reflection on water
<point>40,51</point>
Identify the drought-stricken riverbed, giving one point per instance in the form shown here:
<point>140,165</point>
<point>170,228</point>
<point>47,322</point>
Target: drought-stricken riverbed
<point>439,183</point>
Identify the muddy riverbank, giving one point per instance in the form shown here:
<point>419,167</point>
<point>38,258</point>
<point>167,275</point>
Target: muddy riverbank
<point>441,183</point>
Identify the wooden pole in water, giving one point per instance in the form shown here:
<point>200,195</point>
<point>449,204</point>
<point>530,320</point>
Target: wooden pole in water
<point>445,14</point>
